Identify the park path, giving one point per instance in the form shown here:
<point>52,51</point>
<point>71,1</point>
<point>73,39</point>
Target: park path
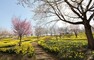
<point>40,54</point>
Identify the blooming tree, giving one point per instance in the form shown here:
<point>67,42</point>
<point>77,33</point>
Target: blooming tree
<point>21,27</point>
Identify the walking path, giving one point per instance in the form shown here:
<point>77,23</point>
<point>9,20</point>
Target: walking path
<point>40,54</point>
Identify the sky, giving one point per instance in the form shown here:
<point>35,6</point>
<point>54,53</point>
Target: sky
<point>9,9</point>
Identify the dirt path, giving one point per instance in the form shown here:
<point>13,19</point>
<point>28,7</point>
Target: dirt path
<point>40,54</point>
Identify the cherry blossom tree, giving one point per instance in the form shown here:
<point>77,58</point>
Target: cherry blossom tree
<point>21,27</point>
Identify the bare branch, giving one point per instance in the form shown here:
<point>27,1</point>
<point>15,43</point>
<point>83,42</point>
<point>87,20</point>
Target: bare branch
<point>73,22</point>
<point>91,17</point>
<point>72,8</point>
<point>87,7</point>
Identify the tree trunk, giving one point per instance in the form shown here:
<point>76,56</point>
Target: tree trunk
<point>20,40</point>
<point>76,34</point>
<point>89,36</point>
